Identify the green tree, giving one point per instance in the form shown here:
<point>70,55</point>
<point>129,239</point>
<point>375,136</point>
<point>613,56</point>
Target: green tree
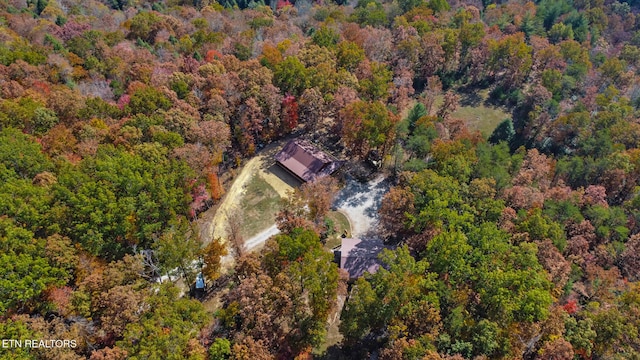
<point>577,58</point>
<point>580,334</point>
<point>399,302</point>
<point>439,5</point>
<point>511,283</point>
<point>349,55</point>
<point>38,5</point>
<point>24,270</point>
<point>447,253</point>
<point>370,12</point>
<point>308,264</point>
<point>119,4</point>
<point>540,227</point>
<point>16,329</point>
<point>220,349</point>
<point>416,112</point>
<point>27,204</point>
<point>145,25</point>
<point>407,5</point>
<point>439,203</point>
<point>177,248</point>
<point>23,113</point>
<point>21,49</point>
<point>290,76</point>
<point>453,158</point>
<point>511,57</point>
<point>503,132</point>
<point>166,329</point>
<point>25,180</point>
<point>376,86</point>
<point>486,338</point>
<point>549,11</point>
<point>559,32</point>
<point>471,34</point>
<point>147,100</point>
<point>43,120</point>
<point>325,37</point>
<point>495,161</point>
<point>181,88</point>
<point>116,200</point>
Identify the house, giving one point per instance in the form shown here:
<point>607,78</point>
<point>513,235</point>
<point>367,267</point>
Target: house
<point>358,256</point>
<point>305,161</point>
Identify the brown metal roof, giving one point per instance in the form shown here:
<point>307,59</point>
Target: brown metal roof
<point>306,161</point>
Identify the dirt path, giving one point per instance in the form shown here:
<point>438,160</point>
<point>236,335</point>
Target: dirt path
<point>256,241</point>
<point>217,226</point>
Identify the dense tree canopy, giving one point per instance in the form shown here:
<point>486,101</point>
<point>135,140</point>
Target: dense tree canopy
<point>293,284</point>
<point>516,235</point>
<point>117,200</point>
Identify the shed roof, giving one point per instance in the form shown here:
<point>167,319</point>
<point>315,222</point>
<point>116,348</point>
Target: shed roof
<point>306,161</point>
<point>200,281</point>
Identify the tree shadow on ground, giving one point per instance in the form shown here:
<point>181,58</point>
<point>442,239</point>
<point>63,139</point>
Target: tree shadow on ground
<point>357,193</point>
<point>353,195</point>
<point>471,99</point>
<point>283,175</point>
<point>363,257</point>
<point>333,352</point>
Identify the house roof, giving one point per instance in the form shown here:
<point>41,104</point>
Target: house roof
<point>358,256</point>
<point>306,161</point>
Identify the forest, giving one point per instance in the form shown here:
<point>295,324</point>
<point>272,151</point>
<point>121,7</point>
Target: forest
<point>122,121</point>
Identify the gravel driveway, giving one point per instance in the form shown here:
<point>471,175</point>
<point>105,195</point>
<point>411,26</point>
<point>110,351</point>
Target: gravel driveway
<point>360,202</point>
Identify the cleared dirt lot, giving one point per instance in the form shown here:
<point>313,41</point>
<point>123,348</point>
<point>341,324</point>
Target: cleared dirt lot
<point>279,179</point>
<point>255,192</point>
<point>360,202</point>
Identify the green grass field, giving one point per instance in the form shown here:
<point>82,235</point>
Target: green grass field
<point>259,206</point>
<point>341,223</point>
<point>478,117</point>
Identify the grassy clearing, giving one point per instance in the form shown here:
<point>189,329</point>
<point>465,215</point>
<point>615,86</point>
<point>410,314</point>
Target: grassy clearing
<point>482,118</point>
<point>478,116</point>
<point>341,223</point>
<point>259,206</point>
<point>334,338</point>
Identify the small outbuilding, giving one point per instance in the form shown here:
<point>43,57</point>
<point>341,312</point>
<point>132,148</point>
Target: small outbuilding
<point>305,161</point>
<point>199,287</point>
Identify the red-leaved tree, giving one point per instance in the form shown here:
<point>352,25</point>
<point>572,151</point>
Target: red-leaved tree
<point>289,113</point>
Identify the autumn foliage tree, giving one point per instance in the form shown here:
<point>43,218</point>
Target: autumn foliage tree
<point>366,126</point>
<point>308,206</point>
<point>510,59</point>
<point>292,284</point>
<point>289,113</point>
<point>211,255</point>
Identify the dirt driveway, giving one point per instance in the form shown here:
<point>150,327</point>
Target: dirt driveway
<point>360,202</point>
<point>216,227</point>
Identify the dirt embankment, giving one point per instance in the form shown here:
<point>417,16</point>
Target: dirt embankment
<point>216,227</point>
